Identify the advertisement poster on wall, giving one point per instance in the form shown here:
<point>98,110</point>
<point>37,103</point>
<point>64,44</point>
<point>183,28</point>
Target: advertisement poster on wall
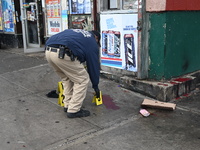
<point>1,21</point>
<point>64,14</point>
<point>8,15</point>
<point>64,20</point>
<point>80,6</point>
<point>119,37</point>
<point>53,16</point>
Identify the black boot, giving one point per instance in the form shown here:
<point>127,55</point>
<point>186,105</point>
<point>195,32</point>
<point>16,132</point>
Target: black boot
<point>81,113</point>
<point>65,109</point>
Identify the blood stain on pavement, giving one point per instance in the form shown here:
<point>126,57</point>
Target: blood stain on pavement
<point>108,102</point>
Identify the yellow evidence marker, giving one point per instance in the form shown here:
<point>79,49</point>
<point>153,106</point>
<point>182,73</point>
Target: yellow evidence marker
<point>60,94</point>
<point>99,100</point>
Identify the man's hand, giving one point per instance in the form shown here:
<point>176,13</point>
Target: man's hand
<point>97,93</point>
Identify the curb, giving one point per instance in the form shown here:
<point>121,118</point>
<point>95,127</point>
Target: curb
<point>163,91</point>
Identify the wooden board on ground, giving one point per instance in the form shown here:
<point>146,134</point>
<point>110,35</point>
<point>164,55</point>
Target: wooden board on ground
<point>158,104</point>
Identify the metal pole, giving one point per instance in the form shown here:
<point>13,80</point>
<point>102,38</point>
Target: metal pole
<point>143,54</point>
<point>23,25</point>
<point>95,14</point>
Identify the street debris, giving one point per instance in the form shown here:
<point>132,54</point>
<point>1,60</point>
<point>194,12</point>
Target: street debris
<point>158,104</point>
<point>144,112</point>
<point>52,94</point>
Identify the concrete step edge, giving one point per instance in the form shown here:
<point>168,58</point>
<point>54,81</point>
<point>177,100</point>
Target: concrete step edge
<point>163,91</point>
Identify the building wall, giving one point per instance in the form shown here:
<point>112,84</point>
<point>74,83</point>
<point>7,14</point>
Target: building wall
<point>174,47</point>
<point>11,41</point>
<point>172,5</point>
<point>182,4</point>
<point>155,5</point>
<point>157,45</point>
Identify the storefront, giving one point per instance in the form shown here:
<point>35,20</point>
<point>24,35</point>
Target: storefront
<point>32,17</point>
<point>44,18</point>
<point>118,24</point>
<point>72,14</point>
<point>28,23</point>
<point>117,20</point>
<point>10,24</point>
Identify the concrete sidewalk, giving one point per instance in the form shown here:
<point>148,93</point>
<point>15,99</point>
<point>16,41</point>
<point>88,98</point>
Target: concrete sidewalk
<point>31,121</point>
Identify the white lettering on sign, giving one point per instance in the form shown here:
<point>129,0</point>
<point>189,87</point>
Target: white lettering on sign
<point>55,30</point>
<point>85,33</point>
<point>54,24</point>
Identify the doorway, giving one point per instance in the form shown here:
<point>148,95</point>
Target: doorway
<point>32,25</point>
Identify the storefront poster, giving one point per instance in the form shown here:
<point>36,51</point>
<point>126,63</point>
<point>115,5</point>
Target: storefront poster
<point>53,16</point>
<point>8,15</point>
<point>53,8</point>
<point>54,26</point>
<point>1,21</point>
<point>64,14</point>
<point>80,6</point>
<point>64,20</point>
<point>119,41</point>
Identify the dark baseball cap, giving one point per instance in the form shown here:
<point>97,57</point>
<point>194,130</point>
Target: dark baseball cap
<point>96,33</point>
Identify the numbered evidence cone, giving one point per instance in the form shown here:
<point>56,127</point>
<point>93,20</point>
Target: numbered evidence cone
<point>98,101</point>
<point>60,94</point>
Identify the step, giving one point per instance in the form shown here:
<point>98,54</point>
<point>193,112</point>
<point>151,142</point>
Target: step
<point>162,91</point>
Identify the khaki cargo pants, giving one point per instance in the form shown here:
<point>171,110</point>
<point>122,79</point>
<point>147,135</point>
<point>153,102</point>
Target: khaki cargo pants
<point>74,77</point>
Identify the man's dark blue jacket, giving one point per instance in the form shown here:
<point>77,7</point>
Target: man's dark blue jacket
<point>84,47</point>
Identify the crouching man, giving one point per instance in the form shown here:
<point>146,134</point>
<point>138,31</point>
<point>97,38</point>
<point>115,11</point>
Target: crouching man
<point>65,52</point>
